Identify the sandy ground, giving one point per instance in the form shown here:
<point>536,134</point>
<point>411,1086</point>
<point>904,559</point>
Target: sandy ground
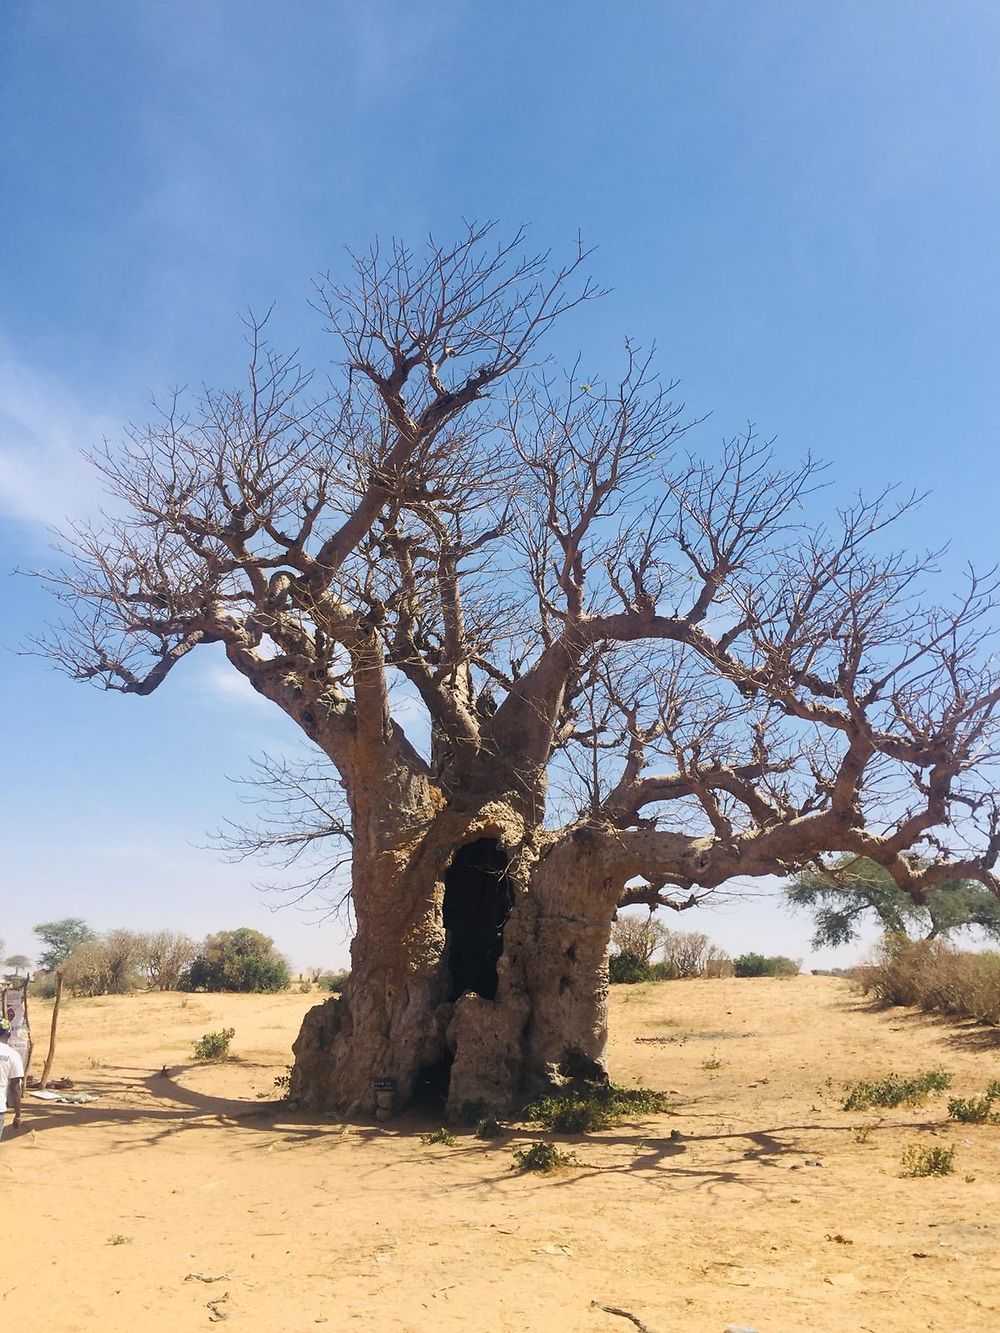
<point>109,1209</point>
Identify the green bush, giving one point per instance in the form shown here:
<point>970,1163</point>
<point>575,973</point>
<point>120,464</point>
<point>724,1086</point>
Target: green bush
<point>934,1161</point>
<point>973,1110</point>
<point>896,1091</point>
<point>754,965</point>
<point>977,1110</point>
<point>660,972</point>
<point>761,965</point>
<point>580,1113</point>
<point>625,969</point>
<point>214,1045</point>
<point>441,1135</point>
<point>333,981</point>
<point>544,1157</point>
<point>44,987</point>
<point>489,1128</point>
<point>238,960</point>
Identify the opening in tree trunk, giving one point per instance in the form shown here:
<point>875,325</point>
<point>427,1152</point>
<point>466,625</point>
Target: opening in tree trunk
<point>430,1089</point>
<point>478,898</point>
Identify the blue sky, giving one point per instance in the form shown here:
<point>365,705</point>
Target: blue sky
<point>798,201</point>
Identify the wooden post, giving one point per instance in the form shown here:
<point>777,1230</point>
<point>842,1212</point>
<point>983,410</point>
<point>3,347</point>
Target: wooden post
<point>52,1032</point>
<point>27,1024</point>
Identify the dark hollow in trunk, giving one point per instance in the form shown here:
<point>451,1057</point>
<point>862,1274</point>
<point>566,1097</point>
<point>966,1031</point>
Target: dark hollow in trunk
<point>478,898</point>
<point>430,1088</point>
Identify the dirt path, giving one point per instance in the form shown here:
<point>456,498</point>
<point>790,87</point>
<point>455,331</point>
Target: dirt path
<point>715,1214</point>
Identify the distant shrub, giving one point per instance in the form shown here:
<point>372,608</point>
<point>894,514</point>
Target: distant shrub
<point>661,971</point>
<point>686,953</point>
<point>625,969</point>
<point>106,965</point>
<point>933,975</point>
<point>165,956</point>
<point>332,981</point>
<point>580,1113</point>
<point>896,1091</point>
<point>43,987</point>
<point>761,965</point>
<point>786,967</point>
<point>934,1161</point>
<point>214,1045</point>
<point>719,965</point>
<point>238,960</point>
<point>121,961</point>
<point>489,1128</point>
<point>544,1157</point>
<point>754,965</point>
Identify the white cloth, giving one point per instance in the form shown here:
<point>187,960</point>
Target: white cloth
<point>20,1042</point>
<point>11,1066</point>
<point>19,1037</point>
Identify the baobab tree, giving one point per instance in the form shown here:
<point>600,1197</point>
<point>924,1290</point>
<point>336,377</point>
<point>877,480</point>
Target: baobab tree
<point>641,674</point>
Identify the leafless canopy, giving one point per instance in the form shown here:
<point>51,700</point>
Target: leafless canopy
<point>531,566</point>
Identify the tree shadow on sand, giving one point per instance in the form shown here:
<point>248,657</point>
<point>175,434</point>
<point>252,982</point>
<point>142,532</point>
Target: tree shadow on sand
<point>659,1159</point>
<point>962,1033</point>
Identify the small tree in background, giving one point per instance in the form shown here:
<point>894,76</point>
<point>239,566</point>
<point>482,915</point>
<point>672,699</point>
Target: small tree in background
<point>110,964</point>
<point>124,958</point>
<point>167,957</point>
<point>636,941</point>
<point>855,889</point>
<point>686,952</point>
<point>640,937</point>
<point>60,939</point>
<point>238,960</point>
<point>16,963</point>
<point>86,969</point>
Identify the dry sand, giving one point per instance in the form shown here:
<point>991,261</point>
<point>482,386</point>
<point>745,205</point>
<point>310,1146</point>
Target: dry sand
<point>108,1209</point>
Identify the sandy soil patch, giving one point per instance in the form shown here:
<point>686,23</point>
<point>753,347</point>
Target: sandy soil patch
<point>768,1206</point>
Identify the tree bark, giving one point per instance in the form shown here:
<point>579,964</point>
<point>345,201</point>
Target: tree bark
<point>399,1021</point>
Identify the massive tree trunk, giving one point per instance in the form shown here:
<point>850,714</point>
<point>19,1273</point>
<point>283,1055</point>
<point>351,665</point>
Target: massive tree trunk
<point>478,973</point>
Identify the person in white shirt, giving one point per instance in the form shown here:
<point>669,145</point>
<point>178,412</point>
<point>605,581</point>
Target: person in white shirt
<point>11,1077</point>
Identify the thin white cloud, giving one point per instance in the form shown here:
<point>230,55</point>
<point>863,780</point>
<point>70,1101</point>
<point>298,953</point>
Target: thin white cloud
<point>43,427</point>
<point>225,684</point>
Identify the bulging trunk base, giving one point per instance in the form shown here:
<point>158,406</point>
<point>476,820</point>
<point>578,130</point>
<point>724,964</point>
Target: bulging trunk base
<point>498,994</point>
